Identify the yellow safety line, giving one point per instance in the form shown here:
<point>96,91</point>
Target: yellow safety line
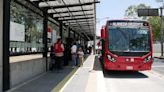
<point>64,81</point>
<point>69,80</point>
<point>60,87</point>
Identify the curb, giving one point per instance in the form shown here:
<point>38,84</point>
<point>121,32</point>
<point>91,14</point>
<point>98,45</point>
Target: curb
<point>101,86</point>
<point>159,57</point>
<point>101,83</point>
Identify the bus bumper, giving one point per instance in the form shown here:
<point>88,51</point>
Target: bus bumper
<point>127,67</point>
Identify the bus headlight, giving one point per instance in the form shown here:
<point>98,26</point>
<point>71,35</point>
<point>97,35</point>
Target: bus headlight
<point>147,59</point>
<point>111,58</point>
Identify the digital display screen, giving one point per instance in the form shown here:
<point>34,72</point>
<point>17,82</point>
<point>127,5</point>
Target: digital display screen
<point>128,24</point>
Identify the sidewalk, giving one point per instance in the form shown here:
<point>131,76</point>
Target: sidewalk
<point>88,78</point>
<point>158,55</point>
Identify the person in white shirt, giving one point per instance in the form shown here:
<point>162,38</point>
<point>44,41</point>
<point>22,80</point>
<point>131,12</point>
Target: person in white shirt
<point>74,54</point>
<point>80,54</point>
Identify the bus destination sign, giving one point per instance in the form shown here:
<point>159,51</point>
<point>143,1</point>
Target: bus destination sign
<point>127,24</point>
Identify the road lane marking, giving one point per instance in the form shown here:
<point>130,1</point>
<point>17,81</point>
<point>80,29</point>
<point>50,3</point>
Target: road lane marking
<point>157,74</point>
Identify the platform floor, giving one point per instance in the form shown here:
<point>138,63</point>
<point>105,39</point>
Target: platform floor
<point>87,78</point>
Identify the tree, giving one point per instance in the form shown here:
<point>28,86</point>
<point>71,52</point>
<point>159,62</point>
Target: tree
<point>154,21</point>
<point>33,22</point>
<point>160,1</point>
<point>155,24</point>
<point>131,12</point>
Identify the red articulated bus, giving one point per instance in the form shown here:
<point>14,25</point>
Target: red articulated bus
<point>127,45</point>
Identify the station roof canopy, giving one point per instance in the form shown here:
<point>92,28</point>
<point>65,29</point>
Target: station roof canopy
<point>80,15</point>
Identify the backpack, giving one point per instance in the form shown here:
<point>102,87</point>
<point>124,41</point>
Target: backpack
<point>58,48</point>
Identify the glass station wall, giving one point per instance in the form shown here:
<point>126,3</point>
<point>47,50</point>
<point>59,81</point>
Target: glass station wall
<point>65,34</point>
<point>26,29</point>
<point>53,34</point>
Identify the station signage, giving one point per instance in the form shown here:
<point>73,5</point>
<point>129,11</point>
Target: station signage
<point>148,12</point>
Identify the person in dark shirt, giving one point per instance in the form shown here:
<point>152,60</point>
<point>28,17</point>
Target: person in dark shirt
<point>52,56</point>
<point>90,49</point>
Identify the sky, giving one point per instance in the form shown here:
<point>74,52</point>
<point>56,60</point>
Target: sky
<point>115,9</point>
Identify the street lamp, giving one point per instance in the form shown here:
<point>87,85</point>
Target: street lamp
<point>161,30</point>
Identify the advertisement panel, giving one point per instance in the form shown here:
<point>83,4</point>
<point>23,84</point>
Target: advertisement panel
<point>17,32</point>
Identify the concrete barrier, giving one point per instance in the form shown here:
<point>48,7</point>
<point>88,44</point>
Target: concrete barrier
<point>26,70</point>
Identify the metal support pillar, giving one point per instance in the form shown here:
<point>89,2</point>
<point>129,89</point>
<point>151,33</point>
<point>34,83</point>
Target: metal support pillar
<point>1,43</point>
<point>61,29</point>
<point>6,41</point>
<point>94,44</point>
<point>45,28</point>
<point>94,48</point>
<point>74,35</point>
<point>69,32</point>
<point>161,30</point>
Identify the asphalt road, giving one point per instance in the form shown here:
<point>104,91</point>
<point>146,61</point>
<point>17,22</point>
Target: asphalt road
<point>158,66</point>
<point>145,81</point>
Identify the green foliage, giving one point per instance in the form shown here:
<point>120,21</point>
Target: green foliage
<point>33,22</point>
<point>159,0</point>
<point>155,24</point>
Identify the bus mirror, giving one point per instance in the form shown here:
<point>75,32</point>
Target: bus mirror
<point>103,34</point>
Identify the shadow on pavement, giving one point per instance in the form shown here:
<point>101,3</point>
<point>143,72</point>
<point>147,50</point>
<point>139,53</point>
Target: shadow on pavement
<point>124,74</point>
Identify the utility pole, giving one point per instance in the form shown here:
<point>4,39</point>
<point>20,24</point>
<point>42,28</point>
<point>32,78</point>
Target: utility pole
<point>161,30</point>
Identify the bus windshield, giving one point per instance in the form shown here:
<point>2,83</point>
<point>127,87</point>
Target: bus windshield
<point>129,39</point>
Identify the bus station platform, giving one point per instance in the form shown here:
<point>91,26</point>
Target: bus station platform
<point>88,78</point>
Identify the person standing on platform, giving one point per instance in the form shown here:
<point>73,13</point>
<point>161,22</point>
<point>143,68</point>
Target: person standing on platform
<point>74,54</point>
<point>77,57</point>
<point>66,55</point>
<point>90,49</point>
<point>59,53</point>
<point>52,56</point>
<point>80,55</point>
